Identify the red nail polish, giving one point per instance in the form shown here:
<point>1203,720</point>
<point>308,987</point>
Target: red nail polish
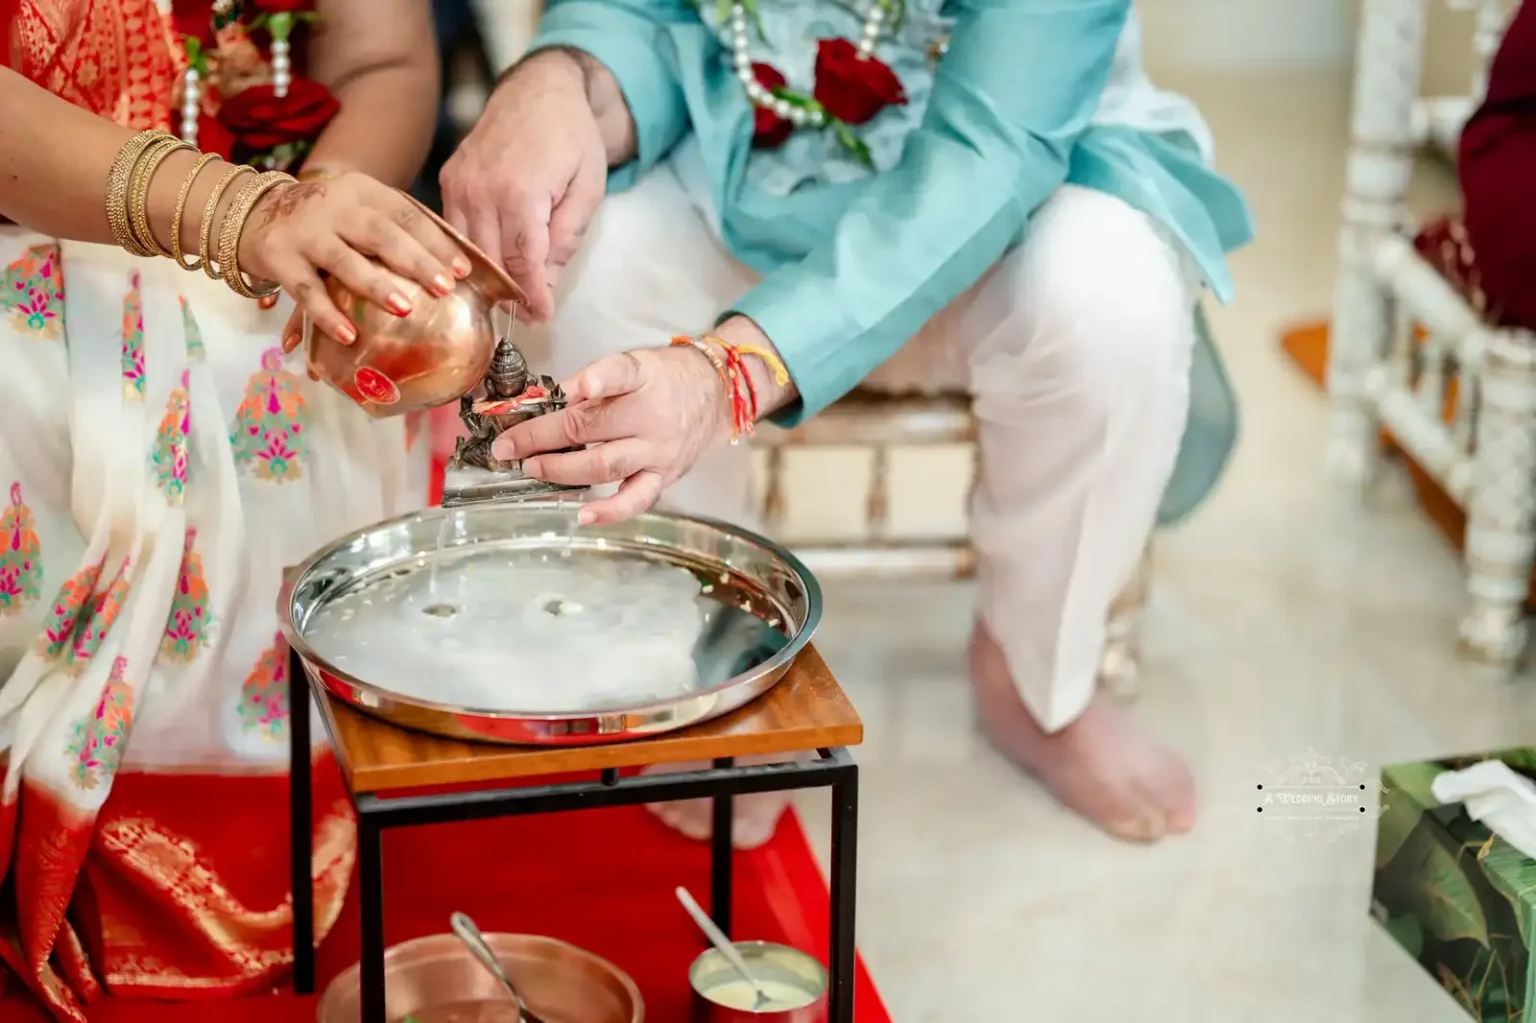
<point>442,285</point>
<point>461,267</point>
<point>399,304</point>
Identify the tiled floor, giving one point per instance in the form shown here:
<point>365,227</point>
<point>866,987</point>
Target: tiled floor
<point>1286,617</point>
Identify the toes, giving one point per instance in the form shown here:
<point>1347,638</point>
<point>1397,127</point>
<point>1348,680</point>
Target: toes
<point>1142,827</point>
<point>1167,789</point>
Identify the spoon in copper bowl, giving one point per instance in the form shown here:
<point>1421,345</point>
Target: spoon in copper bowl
<point>465,930</point>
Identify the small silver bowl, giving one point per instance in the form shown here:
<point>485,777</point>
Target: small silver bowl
<point>796,980</point>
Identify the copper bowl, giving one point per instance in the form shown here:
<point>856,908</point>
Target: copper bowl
<point>426,977</point>
<point>430,357</point>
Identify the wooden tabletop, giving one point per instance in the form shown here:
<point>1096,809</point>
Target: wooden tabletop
<point>807,710</point>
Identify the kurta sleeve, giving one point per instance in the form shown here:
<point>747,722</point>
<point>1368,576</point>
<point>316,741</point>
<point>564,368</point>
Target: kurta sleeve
<point>629,38</point>
<point>1019,84</point>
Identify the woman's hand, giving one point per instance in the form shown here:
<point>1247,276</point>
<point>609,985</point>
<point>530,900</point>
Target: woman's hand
<point>297,231</point>
<point>648,415</point>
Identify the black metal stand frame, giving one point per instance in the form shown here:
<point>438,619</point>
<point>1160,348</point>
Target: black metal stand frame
<point>724,780</point>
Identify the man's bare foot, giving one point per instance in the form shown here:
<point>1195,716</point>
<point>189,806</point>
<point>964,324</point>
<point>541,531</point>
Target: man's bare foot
<point>1103,766</point>
<point>756,815</point>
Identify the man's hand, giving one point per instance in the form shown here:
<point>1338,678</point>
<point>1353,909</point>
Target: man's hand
<point>527,180</point>
<point>648,415</point>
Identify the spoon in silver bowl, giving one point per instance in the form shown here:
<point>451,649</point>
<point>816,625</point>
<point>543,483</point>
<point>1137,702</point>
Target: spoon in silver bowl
<point>725,947</point>
<point>466,931</point>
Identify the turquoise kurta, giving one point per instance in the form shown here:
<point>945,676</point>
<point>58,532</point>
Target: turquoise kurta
<point>1031,94</point>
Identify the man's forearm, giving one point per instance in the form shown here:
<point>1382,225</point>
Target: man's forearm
<point>603,94</point>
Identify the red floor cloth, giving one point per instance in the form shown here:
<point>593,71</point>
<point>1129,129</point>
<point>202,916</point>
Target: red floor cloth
<point>602,879</point>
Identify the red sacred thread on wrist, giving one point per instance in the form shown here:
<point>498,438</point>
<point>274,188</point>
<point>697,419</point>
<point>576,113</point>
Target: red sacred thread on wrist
<point>742,392</point>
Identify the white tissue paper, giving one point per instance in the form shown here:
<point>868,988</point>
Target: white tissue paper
<point>1502,799</point>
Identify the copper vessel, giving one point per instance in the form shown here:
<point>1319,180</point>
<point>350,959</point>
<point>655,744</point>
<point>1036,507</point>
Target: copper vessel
<point>436,980</point>
<point>437,353</point>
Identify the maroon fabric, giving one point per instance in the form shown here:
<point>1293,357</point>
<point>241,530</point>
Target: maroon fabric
<point>1497,165</point>
<point>1446,245</point>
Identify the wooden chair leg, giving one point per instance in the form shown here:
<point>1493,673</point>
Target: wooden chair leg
<point>1120,664</point>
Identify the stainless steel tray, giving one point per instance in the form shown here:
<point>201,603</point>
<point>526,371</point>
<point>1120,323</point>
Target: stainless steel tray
<point>736,665</point>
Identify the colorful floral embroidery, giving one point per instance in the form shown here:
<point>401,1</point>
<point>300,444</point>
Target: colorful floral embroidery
<point>269,435</point>
<point>169,455</point>
<point>96,743</point>
<point>187,628</point>
<point>190,328</point>
<point>264,696</point>
<point>133,341</point>
<point>21,567</point>
<point>63,616</point>
<point>104,609</point>
<point>33,295</point>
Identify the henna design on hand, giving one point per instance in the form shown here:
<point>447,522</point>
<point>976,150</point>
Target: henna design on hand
<point>285,201</point>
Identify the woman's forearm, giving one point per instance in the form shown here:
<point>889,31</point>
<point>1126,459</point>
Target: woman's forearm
<point>55,160</point>
<point>385,125</point>
<point>378,59</point>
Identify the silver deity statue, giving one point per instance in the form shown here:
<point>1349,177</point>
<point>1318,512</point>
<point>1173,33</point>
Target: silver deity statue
<point>509,394</point>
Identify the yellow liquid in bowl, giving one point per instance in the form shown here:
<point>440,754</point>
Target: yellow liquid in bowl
<point>738,994</point>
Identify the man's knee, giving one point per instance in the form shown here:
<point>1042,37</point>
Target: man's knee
<point>1094,306</point>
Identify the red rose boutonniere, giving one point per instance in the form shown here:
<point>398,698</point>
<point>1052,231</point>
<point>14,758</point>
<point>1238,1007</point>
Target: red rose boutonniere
<point>852,84</point>
<point>769,130</point>
<point>854,88</point>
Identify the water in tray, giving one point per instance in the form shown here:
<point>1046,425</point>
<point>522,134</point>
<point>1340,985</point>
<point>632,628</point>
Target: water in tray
<point>528,631</point>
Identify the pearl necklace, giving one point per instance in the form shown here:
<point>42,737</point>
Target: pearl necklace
<point>192,78</point>
<point>799,116</point>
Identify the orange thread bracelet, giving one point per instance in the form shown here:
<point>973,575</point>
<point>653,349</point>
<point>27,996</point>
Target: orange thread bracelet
<point>738,381</point>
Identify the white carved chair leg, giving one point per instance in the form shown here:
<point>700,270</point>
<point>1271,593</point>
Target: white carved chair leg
<point>1380,162</point>
<point>877,508</point>
<point>1120,664</point>
<point>1501,519</point>
<point>773,490</point>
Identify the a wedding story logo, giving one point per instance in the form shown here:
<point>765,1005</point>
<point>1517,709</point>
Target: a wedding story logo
<point>1318,796</point>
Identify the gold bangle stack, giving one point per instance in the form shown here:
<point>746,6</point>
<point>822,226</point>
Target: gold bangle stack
<point>120,183</point>
<point>138,194</point>
<point>210,210</point>
<point>181,209</point>
<point>234,226</point>
<point>128,188</point>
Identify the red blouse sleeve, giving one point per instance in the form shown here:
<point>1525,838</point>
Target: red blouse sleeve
<point>115,58</point>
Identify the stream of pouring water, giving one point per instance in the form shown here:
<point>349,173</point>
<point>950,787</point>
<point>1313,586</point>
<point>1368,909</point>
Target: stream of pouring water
<point>569,508</point>
<point>433,607</point>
